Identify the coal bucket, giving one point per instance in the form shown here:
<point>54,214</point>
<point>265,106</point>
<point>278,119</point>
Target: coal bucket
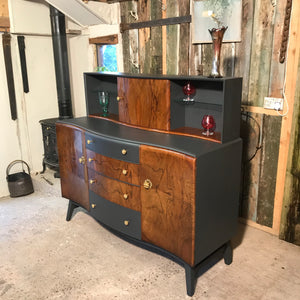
<point>19,184</point>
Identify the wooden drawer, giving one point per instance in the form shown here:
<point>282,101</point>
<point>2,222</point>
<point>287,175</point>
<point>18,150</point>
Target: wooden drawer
<point>118,169</point>
<point>115,216</point>
<point>115,191</point>
<point>117,149</point>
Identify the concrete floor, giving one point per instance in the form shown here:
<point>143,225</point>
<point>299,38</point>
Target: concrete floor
<point>44,257</point>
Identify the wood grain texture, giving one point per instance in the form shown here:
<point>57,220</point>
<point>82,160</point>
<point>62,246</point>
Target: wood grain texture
<point>4,15</point>
<point>144,102</point>
<point>285,154</point>
<point>261,52</point>
<point>106,40</point>
<point>114,190</point>
<point>243,49</point>
<point>168,208</point>
<point>113,168</point>
<point>73,175</point>
<point>268,170</point>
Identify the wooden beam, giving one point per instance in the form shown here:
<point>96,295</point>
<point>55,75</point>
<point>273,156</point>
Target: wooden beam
<point>105,40</point>
<point>155,23</point>
<point>4,15</point>
<point>290,87</point>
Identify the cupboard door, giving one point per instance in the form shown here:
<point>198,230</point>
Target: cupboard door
<point>72,167</point>
<point>168,200</point>
<point>144,102</point>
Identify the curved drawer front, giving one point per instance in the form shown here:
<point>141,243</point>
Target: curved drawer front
<point>120,150</point>
<point>115,191</point>
<point>118,169</point>
<point>115,216</point>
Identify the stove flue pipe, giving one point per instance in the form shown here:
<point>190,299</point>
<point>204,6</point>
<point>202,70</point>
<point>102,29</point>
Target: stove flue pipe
<point>60,52</point>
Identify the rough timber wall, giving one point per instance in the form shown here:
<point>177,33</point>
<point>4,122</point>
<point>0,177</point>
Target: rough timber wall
<point>168,49</point>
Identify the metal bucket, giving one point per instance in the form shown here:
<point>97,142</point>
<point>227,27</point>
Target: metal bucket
<point>19,184</point>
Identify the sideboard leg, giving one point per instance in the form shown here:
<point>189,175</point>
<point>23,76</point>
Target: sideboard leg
<point>228,253</point>
<point>190,277</point>
<point>71,208</point>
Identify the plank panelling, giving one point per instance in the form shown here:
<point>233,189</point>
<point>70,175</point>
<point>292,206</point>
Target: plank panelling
<point>144,14</point>
<point>290,219</point>
<point>184,39</point>
<point>172,38</point>
<point>129,37</point>
<point>195,67</point>
<point>268,169</point>
<point>261,52</point>
<point>243,49</point>
<point>250,133</point>
<point>206,58</point>
<point>4,15</point>
<point>277,69</point>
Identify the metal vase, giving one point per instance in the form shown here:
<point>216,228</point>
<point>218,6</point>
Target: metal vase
<point>217,38</point>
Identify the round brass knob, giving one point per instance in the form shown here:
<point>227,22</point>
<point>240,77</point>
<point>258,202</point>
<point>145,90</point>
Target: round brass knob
<point>89,141</point>
<point>91,159</point>
<point>147,184</point>
<point>92,181</point>
<point>93,205</point>
<point>125,172</point>
<point>126,222</point>
<point>118,98</point>
<point>81,160</point>
<point>124,151</point>
<point>125,196</point>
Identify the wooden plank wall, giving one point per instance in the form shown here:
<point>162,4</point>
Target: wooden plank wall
<point>255,58</point>
<point>4,16</point>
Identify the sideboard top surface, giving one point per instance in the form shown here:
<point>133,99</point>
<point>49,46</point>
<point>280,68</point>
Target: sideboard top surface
<point>158,76</point>
<point>187,145</point>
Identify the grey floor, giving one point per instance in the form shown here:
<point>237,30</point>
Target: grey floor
<point>44,257</point>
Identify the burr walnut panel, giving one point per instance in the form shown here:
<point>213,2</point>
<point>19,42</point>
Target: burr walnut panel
<point>73,172</point>
<point>168,206</point>
<point>144,102</point>
<point>115,191</point>
<point>118,169</point>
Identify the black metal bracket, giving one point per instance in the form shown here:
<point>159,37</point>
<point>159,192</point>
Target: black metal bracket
<point>21,44</point>
<point>155,23</point>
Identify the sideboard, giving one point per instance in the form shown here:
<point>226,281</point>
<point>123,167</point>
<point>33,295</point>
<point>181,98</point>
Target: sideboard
<point>148,173</point>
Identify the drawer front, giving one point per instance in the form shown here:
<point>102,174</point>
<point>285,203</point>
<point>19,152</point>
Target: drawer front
<point>115,216</point>
<point>116,149</point>
<point>118,169</point>
<point>115,191</point>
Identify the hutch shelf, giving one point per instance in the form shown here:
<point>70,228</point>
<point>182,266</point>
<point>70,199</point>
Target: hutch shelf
<point>148,173</point>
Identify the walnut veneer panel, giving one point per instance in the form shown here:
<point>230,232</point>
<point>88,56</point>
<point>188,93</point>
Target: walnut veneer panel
<point>144,102</point>
<point>73,175</point>
<point>168,208</point>
<point>115,191</point>
<point>114,168</point>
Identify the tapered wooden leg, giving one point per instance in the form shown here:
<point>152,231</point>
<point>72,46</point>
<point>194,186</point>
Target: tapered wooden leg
<point>190,277</point>
<point>228,253</point>
<point>71,208</point>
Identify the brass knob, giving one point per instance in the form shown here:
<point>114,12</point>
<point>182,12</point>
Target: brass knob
<point>125,172</point>
<point>89,141</point>
<point>119,98</point>
<point>147,184</point>
<point>124,151</point>
<point>93,205</point>
<point>81,160</point>
<point>126,222</point>
<point>48,128</point>
<point>91,159</point>
<point>92,181</point>
<point>125,196</point>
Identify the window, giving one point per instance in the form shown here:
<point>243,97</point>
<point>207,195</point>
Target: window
<point>106,52</point>
<point>107,58</point>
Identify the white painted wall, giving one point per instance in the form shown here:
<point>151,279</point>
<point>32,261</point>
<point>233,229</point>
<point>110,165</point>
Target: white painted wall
<point>22,139</point>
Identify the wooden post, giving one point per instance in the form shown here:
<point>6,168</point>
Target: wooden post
<point>290,87</point>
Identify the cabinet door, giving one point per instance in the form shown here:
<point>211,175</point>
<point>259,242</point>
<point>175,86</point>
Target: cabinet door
<point>73,171</point>
<point>144,102</point>
<point>168,206</point>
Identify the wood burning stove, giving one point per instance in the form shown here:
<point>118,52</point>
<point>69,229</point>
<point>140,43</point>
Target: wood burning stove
<point>60,52</point>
